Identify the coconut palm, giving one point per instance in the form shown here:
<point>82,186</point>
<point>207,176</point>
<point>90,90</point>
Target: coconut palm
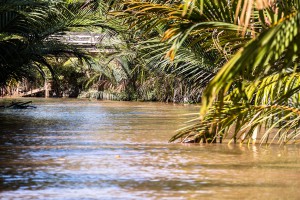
<point>195,44</point>
<point>193,70</point>
<point>26,31</point>
<point>126,64</point>
<point>255,44</point>
<point>258,88</point>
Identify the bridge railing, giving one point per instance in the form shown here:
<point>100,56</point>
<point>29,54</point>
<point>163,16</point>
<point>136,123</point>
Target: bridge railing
<point>86,40</point>
<point>80,38</point>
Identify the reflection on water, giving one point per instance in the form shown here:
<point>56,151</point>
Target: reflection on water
<point>119,150</point>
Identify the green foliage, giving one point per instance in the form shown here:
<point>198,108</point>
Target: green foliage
<point>26,28</point>
<point>142,53</point>
<point>258,88</point>
<point>71,75</point>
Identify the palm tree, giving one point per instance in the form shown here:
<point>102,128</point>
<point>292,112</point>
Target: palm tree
<point>192,65</point>
<point>25,35</point>
<point>255,44</point>
<point>258,87</point>
<point>124,66</point>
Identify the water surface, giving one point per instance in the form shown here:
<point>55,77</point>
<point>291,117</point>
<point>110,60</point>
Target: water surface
<point>118,150</point>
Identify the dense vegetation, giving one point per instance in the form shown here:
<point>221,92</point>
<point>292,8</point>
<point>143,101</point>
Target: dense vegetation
<point>27,46</point>
<point>240,56</point>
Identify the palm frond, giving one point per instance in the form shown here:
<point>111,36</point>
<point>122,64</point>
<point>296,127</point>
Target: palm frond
<point>263,52</point>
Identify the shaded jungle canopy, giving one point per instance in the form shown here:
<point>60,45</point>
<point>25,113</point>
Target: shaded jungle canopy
<point>25,37</point>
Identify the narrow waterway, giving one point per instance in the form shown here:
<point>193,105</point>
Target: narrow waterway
<point>71,149</point>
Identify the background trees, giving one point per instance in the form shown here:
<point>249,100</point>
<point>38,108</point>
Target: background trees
<point>26,30</point>
<point>131,62</point>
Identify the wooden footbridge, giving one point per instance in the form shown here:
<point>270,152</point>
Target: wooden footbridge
<point>32,92</point>
<point>88,41</point>
<point>85,40</point>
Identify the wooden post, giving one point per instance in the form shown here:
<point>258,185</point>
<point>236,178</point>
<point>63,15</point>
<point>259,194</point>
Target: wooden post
<point>46,88</point>
<point>255,133</point>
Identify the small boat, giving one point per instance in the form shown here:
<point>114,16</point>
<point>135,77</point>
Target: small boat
<point>20,105</point>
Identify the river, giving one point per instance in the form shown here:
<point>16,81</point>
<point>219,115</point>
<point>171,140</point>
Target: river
<point>74,149</point>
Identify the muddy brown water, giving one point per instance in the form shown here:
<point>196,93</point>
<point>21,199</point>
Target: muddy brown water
<point>71,149</point>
